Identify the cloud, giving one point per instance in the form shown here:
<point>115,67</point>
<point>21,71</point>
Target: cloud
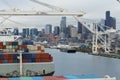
<point>93,8</point>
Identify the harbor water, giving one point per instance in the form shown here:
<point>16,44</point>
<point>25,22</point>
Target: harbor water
<point>82,63</point>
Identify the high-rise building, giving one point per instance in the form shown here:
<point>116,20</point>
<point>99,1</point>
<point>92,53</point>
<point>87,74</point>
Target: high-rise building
<point>16,31</point>
<point>43,31</point>
<point>48,29</point>
<point>71,31</point>
<point>102,22</point>
<point>25,32</point>
<point>110,21</point>
<point>33,32</point>
<point>56,30</point>
<point>63,27</point>
<point>79,27</point>
<point>85,34</point>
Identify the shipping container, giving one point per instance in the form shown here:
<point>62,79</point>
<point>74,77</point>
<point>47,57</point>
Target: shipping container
<point>26,56</point>
<point>3,78</point>
<point>10,43</point>
<point>61,78</point>
<point>25,61</point>
<point>5,61</point>
<point>45,60</point>
<point>1,61</point>
<point>29,60</point>
<point>50,78</point>
<point>38,78</point>
<point>38,60</point>
<point>10,60</point>
<point>25,78</point>
<point>33,60</point>
<point>1,43</point>
<point>15,56</point>
<point>33,55</point>
<point>16,61</point>
<point>22,46</point>
<point>1,56</point>
<point>14,79</point>
<point>3,47</point>
<point>6,56</point>
<point>14,43</point>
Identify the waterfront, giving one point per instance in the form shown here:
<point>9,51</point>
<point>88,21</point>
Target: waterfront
<point>81,63</point>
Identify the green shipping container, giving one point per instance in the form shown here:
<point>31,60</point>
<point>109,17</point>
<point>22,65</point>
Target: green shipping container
<point>26,78</point>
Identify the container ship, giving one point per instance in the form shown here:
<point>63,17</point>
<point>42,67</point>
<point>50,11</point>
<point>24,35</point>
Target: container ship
<point>23,58</point>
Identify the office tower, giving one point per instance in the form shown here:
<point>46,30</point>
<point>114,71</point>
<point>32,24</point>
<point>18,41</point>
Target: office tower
<point>25,32</point>
<point>56,30</point>
<point>110,21</point>
<point>73,31</point>
<point>63,27</point>
<point>16,31</point>
<point>33,32</point>
<point>79,27</point>
<point>48,29</point>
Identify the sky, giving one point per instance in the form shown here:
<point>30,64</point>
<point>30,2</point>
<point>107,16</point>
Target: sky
<point>94,9</point>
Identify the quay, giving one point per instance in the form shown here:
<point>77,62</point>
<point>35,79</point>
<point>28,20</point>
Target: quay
<point>66,77</point>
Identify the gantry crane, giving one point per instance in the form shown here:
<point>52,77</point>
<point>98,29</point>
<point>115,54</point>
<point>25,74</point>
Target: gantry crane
<point>61,12</point>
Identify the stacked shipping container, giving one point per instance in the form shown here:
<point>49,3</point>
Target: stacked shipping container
<point>10,52</point>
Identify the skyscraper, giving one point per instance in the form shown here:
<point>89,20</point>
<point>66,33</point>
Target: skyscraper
<point>110,21</point>
<point>25,32</point>
<point>71,31</point>
<point>16,31</point>
<point>63,27</point>
<point>79,27</point>
<point>56,30</point>
<point>48,29</point>
<point>33,32</point>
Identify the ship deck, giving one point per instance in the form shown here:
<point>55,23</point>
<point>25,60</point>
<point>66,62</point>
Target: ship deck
<point>66,77</point>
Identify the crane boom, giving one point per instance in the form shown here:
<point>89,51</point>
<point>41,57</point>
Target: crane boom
<point>48,6</point>
<point>38,13</point>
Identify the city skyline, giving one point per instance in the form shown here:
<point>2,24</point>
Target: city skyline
<point>94,10</point>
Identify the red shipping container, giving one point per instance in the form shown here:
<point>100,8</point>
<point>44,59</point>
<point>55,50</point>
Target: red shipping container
<point>42,51</point>
<point>3,78</point>
<point>1,61</point>
<point>4,47</point>
<point>23,46</point>
<point>39,48</point>
<point>51,59</point>
<point>10,56</point>
<point>10,60</point>
<point>45,60</point>
<point>24,61</point>
<point>60,78</point>
<point>6,56</point>
<point>16,50</point>
<point>37,56</point>
<point>44,56</point>
<point>1,46</point>
<point>37,60</point>
<point>1,43</point>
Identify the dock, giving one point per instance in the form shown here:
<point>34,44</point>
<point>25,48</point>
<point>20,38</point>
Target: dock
<point>66,77</point>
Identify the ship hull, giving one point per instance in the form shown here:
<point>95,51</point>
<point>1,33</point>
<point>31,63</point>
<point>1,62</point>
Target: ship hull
<point>28,69</point>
